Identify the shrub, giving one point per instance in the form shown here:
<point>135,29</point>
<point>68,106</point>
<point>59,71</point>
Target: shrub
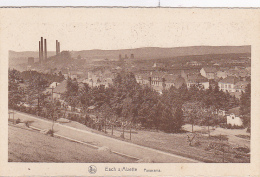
<point>248,130</point>
<point>197,143</point>
<point>229,126</point>
<point>18,121</point>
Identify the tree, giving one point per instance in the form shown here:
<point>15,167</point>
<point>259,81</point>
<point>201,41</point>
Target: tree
<point>245,106</point>
<point>106,113</point>
<point>183,93</point>
<point>53,112</point>
<point>35,90</point>
<point>192,112</point>
<point>15,93</point>
<point>167,120</point>
<point>78,57</point>
<point>71,95</point>
<point>127,112</point>
<point>178,119</point>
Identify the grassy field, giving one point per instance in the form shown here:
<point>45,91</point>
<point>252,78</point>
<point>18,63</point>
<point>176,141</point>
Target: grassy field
<point>204,148</point>
<point>32,146</point>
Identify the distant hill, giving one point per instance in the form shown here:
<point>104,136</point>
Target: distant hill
<point>139,53</point>
<point>26,54</point>
<point>157,53</point>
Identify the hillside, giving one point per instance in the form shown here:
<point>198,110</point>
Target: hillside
<point>139,53</point>
<point>156,52</point>
<point>31,146</point>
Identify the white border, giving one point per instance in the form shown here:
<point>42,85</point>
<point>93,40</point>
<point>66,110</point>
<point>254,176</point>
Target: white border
<point>131,3</point>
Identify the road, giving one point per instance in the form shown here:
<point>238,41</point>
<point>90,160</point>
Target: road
<point>116,145</point>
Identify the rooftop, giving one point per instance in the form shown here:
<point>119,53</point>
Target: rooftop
<point>241,84</point>
<point>234,111</point>
<point>230,80</point>
<point>210,69</point>
<point>61,88</point>
<point>197,78</point>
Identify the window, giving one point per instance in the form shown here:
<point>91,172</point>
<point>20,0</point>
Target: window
<point>229,86</point>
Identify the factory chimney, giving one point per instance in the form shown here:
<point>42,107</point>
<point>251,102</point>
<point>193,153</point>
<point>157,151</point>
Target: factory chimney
<point>45,50</point>
<point>59,47</point>
<point>56,47</point>
<point>41,49</point>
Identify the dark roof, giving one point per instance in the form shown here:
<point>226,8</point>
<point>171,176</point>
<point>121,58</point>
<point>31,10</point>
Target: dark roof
<point>241,85</point>
<point>236,94</point>
<point>230,80</point>
<point>179,82</point>
<point>61,88</point>
<point>210,69</point>
<point>196,78</point>
<point>234,111</point>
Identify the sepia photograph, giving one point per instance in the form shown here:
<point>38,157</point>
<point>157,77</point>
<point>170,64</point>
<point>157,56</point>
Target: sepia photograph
<point>129,86</point>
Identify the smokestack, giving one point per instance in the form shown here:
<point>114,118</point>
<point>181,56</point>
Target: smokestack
<point>59,47</point>
<point>56,47</point>
<point>45,50</point>
<point>41,49</point>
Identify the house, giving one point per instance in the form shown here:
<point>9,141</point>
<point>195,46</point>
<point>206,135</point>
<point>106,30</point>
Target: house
<point>228,84</point>
<point>233,117</point>
<point>60,89</point>
<point>159,81</point>
<point>48,90</point>
<point>241,86</point>
<point>196,80</point>
<point>208,72</point>
<point>193,63</point>
<point>142,78</point>
<point>99,77</point>
<point>221,74</point>
<point>158,65</point>
<point>174,80</point>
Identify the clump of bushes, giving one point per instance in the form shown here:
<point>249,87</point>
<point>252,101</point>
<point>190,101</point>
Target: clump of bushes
<point>229,126</point>
<point>18,121</point>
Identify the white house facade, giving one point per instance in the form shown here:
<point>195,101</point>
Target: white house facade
<point>234,120</point>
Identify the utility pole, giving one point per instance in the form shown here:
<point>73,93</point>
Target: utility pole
<point>124,128</point>
<point>52,94</point>
<point>131,130</point>
<point>208,126</point>
<point>112,127</point>
<point>105,124</point>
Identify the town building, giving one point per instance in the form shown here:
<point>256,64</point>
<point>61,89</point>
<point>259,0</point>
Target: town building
<point>193,63</point>
<point>159,80</point>
<point>197,80</point>
<point>221,74</point>
<point>241,86</point>
<point>228,84</point>
<point>233,117</point>
<point>59,90</point>
<point>208,72</point>
<point>97,78</point>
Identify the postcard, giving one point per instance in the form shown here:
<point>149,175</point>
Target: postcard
<point>129,91</point>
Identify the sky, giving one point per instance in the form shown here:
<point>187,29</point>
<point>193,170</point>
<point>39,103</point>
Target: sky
<point>124,28</point>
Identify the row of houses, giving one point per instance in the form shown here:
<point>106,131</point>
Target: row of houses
<point>160,81</point>
<point>221,73</point>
